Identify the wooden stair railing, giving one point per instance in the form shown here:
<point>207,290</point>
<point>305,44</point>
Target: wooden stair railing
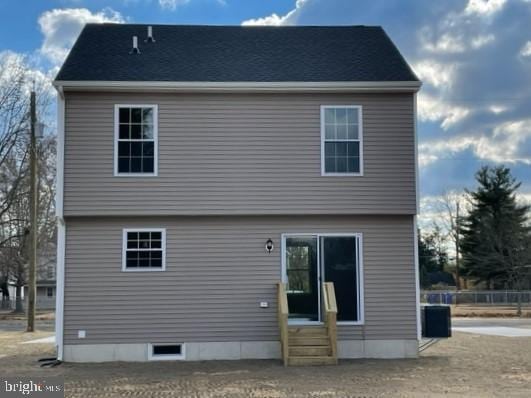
<point>283,321</point>
<point>309,344</point>
<point>330,315</point>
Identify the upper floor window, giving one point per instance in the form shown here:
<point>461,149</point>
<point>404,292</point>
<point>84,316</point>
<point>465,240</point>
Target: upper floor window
<point>136,140</point>
<point>341,140</point>
<point>144,249</point>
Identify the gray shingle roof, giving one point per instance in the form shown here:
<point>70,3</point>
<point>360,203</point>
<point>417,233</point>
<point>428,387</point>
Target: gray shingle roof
<point>184,53</point>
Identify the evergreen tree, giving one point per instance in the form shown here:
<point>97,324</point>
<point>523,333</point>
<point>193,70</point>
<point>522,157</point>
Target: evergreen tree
<point>432,257</point>
<point>496,238</point>
<point>427,262</point>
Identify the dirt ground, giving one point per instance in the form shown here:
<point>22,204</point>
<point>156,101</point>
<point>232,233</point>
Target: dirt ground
<point>466,365</point>
<point>486,311</point>
<point>41,315</point>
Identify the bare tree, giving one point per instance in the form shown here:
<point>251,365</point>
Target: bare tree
<point>452,206</point>
<point>16,80</point>
<point>15,221</point>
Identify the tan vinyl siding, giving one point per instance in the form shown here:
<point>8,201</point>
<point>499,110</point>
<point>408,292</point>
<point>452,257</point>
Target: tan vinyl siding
<point>217,273</point>
<point>239,154</point>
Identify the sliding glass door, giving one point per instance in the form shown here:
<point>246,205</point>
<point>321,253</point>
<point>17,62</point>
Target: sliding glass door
<point>339,265</point>
<point>312,259</point>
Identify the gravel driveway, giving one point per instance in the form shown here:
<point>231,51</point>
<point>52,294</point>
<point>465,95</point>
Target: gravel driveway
<point>466,365</point>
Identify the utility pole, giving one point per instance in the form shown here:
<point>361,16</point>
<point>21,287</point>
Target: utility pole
<point>32,288</point>
<point>457,234</point>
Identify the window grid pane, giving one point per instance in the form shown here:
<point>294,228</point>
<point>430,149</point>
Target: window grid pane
<point>136,141</point>
<point>144,249</point>
<point>341,140</point>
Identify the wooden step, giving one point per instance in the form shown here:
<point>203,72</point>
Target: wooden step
<point>310,351</point>
<point>307,331</point>
<point>308,341</point>
<point>311,361</point>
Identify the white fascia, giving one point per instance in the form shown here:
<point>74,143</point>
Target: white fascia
<point>399,86</point>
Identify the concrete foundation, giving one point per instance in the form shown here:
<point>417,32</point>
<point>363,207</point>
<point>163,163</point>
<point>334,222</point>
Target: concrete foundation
<point>347,349</point>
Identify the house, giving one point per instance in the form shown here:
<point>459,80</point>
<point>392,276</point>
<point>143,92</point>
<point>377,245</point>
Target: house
<point>45,285</point>
<point>200,166</point>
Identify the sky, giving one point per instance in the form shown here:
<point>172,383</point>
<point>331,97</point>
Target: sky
<point>473,56</point>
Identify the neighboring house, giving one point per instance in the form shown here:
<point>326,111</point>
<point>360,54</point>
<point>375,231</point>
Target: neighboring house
<point>45,286</point>
<point>46,283</point>
<point>201,169</point>
<point>45,289</point>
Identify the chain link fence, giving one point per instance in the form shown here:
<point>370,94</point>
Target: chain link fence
<point>487,297</point>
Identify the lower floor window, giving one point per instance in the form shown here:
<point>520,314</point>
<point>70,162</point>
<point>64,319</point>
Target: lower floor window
<point>144,250</point>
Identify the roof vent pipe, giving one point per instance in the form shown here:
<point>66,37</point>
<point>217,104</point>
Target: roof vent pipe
<point>150,38</point>
<point>135,49</point>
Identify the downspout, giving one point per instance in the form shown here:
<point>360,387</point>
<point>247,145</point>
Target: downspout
<point>61,228</point>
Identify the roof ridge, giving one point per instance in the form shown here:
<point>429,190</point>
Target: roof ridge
<point>233,26</point>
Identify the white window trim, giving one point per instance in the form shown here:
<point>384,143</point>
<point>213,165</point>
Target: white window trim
<point>155,139</point>
<point>359,271</point>
<point>360,132</point>
<point>162,245</point>
<point>181,356</point>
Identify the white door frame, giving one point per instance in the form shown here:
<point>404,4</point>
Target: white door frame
<point>284,276</point>
<point>320,272</point>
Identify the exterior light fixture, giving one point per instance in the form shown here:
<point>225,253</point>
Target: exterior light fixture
<point>269,246</point>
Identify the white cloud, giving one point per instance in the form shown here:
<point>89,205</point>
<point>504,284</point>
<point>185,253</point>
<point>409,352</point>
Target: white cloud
<point>458,31</point>
<point>432,151</point>
<point>433,109</point>
<point>437,74</point>
<point>271,20</point>
<point>425,159</point>
<point>484,7</point>
<point>443,59</point>
<point>526,50</point>
<point>19,66</point>
<point>446,43</point>
<point>172,4</point>
<point>453,43</point>
<point>523,198</point>
<point>506,144</point>
<point>481,41</point>
<point>61,27</point>
<point>276,20</point>
<point>497,109</point>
